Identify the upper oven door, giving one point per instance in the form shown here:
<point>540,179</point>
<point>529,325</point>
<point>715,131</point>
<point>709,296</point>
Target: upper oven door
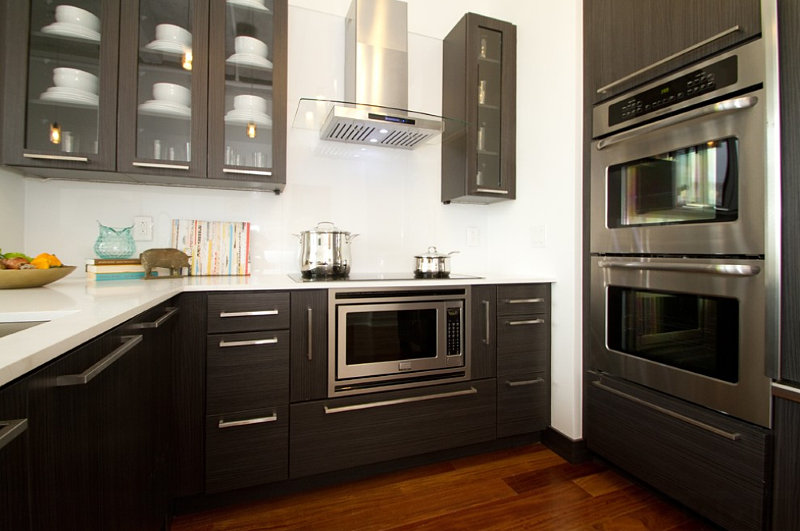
<point>692,183</point>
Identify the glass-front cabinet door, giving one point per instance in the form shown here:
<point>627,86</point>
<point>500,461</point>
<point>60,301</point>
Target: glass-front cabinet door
<point>163,72</point>
<point>247,98</point>
<point>61,83</point>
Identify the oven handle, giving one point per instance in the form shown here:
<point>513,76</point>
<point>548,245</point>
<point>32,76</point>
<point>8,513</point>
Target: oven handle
<point>733,270</point>
<point>693,47</point>
<point>733,436</point>
<point>383,403</point>
<point>733,104</point>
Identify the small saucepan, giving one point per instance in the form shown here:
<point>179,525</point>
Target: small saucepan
<point>432,264</point>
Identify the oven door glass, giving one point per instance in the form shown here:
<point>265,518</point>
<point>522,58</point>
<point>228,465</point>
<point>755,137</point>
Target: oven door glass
<point>696,333</point>
<point>696,184</point>
<point>391,335</point>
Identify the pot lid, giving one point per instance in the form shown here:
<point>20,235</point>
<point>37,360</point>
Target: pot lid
<point>326,227</point>
<point>433,253</point>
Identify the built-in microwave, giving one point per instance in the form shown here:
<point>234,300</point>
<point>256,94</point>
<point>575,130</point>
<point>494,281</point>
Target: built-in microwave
<point>382,339</point>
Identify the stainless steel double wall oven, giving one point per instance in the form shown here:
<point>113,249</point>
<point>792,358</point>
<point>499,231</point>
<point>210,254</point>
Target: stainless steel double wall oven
<point>678,210</point>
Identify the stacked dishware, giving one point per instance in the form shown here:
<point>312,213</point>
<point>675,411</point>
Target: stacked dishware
<point>248,108</point>
<point>250,52</point>
<point>73,86</point>
<point>171,39</point>
<point>258,5</point>
<point>170,99</point>
<point>74,22</point>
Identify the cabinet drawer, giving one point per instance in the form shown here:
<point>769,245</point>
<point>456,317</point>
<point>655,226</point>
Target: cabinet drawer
<point>246,449</point>
<point>523,360</point>
<point>346,432</point>
<point>518,299</point>
<point>523,333</point>
<point>523,404</point>
<point>247,371</point>
<point>243,312</point>
<point>710,462</point>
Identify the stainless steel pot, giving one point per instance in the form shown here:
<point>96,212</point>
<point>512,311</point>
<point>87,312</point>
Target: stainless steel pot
<point>432,264</point>
<point>325,251</point>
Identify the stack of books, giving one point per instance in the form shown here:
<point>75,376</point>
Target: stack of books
<point>100,269</point>
<point>213,247</point>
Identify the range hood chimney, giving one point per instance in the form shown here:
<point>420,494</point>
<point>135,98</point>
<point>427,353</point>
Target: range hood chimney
<point>376,82</point>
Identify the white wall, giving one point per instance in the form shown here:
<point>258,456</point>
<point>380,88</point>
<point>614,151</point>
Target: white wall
<point>12,211</point>
<point>390,198</point>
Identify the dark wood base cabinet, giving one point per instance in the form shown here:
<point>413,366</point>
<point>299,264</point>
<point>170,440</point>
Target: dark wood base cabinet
<point>712,463</point>
<point>14,484</point>
<point>787,465</point>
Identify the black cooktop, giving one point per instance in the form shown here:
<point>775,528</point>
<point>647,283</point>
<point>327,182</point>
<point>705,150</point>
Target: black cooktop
<point>362,277</point>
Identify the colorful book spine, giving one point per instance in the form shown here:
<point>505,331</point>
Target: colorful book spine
<point>214,247</point>
<point>100,277</point>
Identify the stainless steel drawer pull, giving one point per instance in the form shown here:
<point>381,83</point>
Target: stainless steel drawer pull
<point>525,322</point>
<point>247,422</point>
<point>248,342</point>
<point>158,165</point>
<point>11,429</point>
<point>169,313</point>
<point>520,383</point>
<point>524,301</point>
<point>491,191</point>
<point>310,324</point>
<point>678,416</point>
<point>693,47</point>
<point>128,342</point>
<point>733,104</point>
<point>67,158</point>
<point>384,403</point>
<point>256,313</point>
<point>786,392</point>
<point>246,172</point>
<point>486,315</point>
<point>733,270</point>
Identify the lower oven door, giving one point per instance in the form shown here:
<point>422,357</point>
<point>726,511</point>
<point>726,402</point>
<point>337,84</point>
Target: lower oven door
<point>692,328</point>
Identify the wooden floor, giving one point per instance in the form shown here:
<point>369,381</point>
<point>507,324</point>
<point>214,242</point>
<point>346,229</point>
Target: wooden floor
<point>529,487</point>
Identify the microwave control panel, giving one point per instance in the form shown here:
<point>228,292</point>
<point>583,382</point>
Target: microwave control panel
<point>701,81</point>
<point>453,331</point>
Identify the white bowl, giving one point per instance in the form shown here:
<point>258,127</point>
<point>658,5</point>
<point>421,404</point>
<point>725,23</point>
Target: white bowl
<point>250,46</point>
<point>173,33</point>
<point>77,16</point>
<point>76,79</point>
<point>246,102</point>
<point>172,93</point>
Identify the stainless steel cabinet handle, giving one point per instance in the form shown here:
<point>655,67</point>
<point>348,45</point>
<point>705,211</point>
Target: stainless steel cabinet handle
<point>525,322</point>
<point>384,403</point>
<point>248,342</point>
<point>255,313</point>
<point>486,315</point>
<point>520,383</point>
<point>786,392</point>
<point>247,422</point>
<point>693,47</point>
<point>491,191</point>
<point>310,315</point>
<point>168,314</point>
<point>246,172</point>
<point>11,429</point>
<point>162,166</point>
<point>68,158</point>
<point>524,301</point>
<point>733,104</point>
<point>674,414</point>
<point>734,270</point>
<point>128,342</point>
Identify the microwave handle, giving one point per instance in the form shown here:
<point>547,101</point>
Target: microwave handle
<point>733,104</point>
<point>693,47</point>
<point>734,270</point>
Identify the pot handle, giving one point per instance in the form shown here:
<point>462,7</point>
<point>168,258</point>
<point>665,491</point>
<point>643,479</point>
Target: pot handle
<point>351,237</point>
<point>332,225</point>
<point>453,252</point>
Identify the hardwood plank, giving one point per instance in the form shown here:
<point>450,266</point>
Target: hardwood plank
<point>536,479</point>
<point>602,483</point>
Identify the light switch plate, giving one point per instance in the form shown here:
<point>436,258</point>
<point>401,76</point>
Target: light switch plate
<point>142,228</point>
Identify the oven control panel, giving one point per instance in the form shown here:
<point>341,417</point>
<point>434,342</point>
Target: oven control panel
<point>454,331</point>
<point>695,83</point>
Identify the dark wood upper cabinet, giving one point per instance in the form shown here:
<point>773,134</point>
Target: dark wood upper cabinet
<point>479,92</point>
<point>627,36</point>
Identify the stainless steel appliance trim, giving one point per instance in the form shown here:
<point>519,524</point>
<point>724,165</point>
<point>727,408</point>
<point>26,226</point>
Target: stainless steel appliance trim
<point>168,314</point>
<point>524,301</point>
<point>786,392</point>
<point>491,191</point>
<point>246,172</point>
<point>520,383</point>
<point>408,400</point>
<point>11,429</point>
<point>310,323</point>
<point>254,313</point>
<point>162,166</point>
<point>525,322</point>
<point>734,270</point>
<point>486,314</point>
<point>693,47</point>
<point>733,104</point>
<point>248,342</point>
<point>733,436</point>
<point>128,342</point>
<point>247,422</point>
<point>55,157</point>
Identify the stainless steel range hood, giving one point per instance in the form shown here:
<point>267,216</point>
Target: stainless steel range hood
<point>375,110</point>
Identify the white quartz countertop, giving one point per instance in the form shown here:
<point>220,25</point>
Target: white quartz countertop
<point>76,310</point>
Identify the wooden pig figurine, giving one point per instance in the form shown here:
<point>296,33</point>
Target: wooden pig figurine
<point>171,259</point>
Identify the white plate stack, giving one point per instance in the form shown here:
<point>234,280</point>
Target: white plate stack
<point>258,5</point>
<point>250,52</point>
<point>74,22</point>
<point>170,99</point>
<point>171,39</point>
<point>248,109</point>
<point>73,86</point>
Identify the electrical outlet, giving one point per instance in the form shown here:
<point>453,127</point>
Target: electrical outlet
<point>538,236</point>
<point>142,228</point>
<point>473,237</point>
